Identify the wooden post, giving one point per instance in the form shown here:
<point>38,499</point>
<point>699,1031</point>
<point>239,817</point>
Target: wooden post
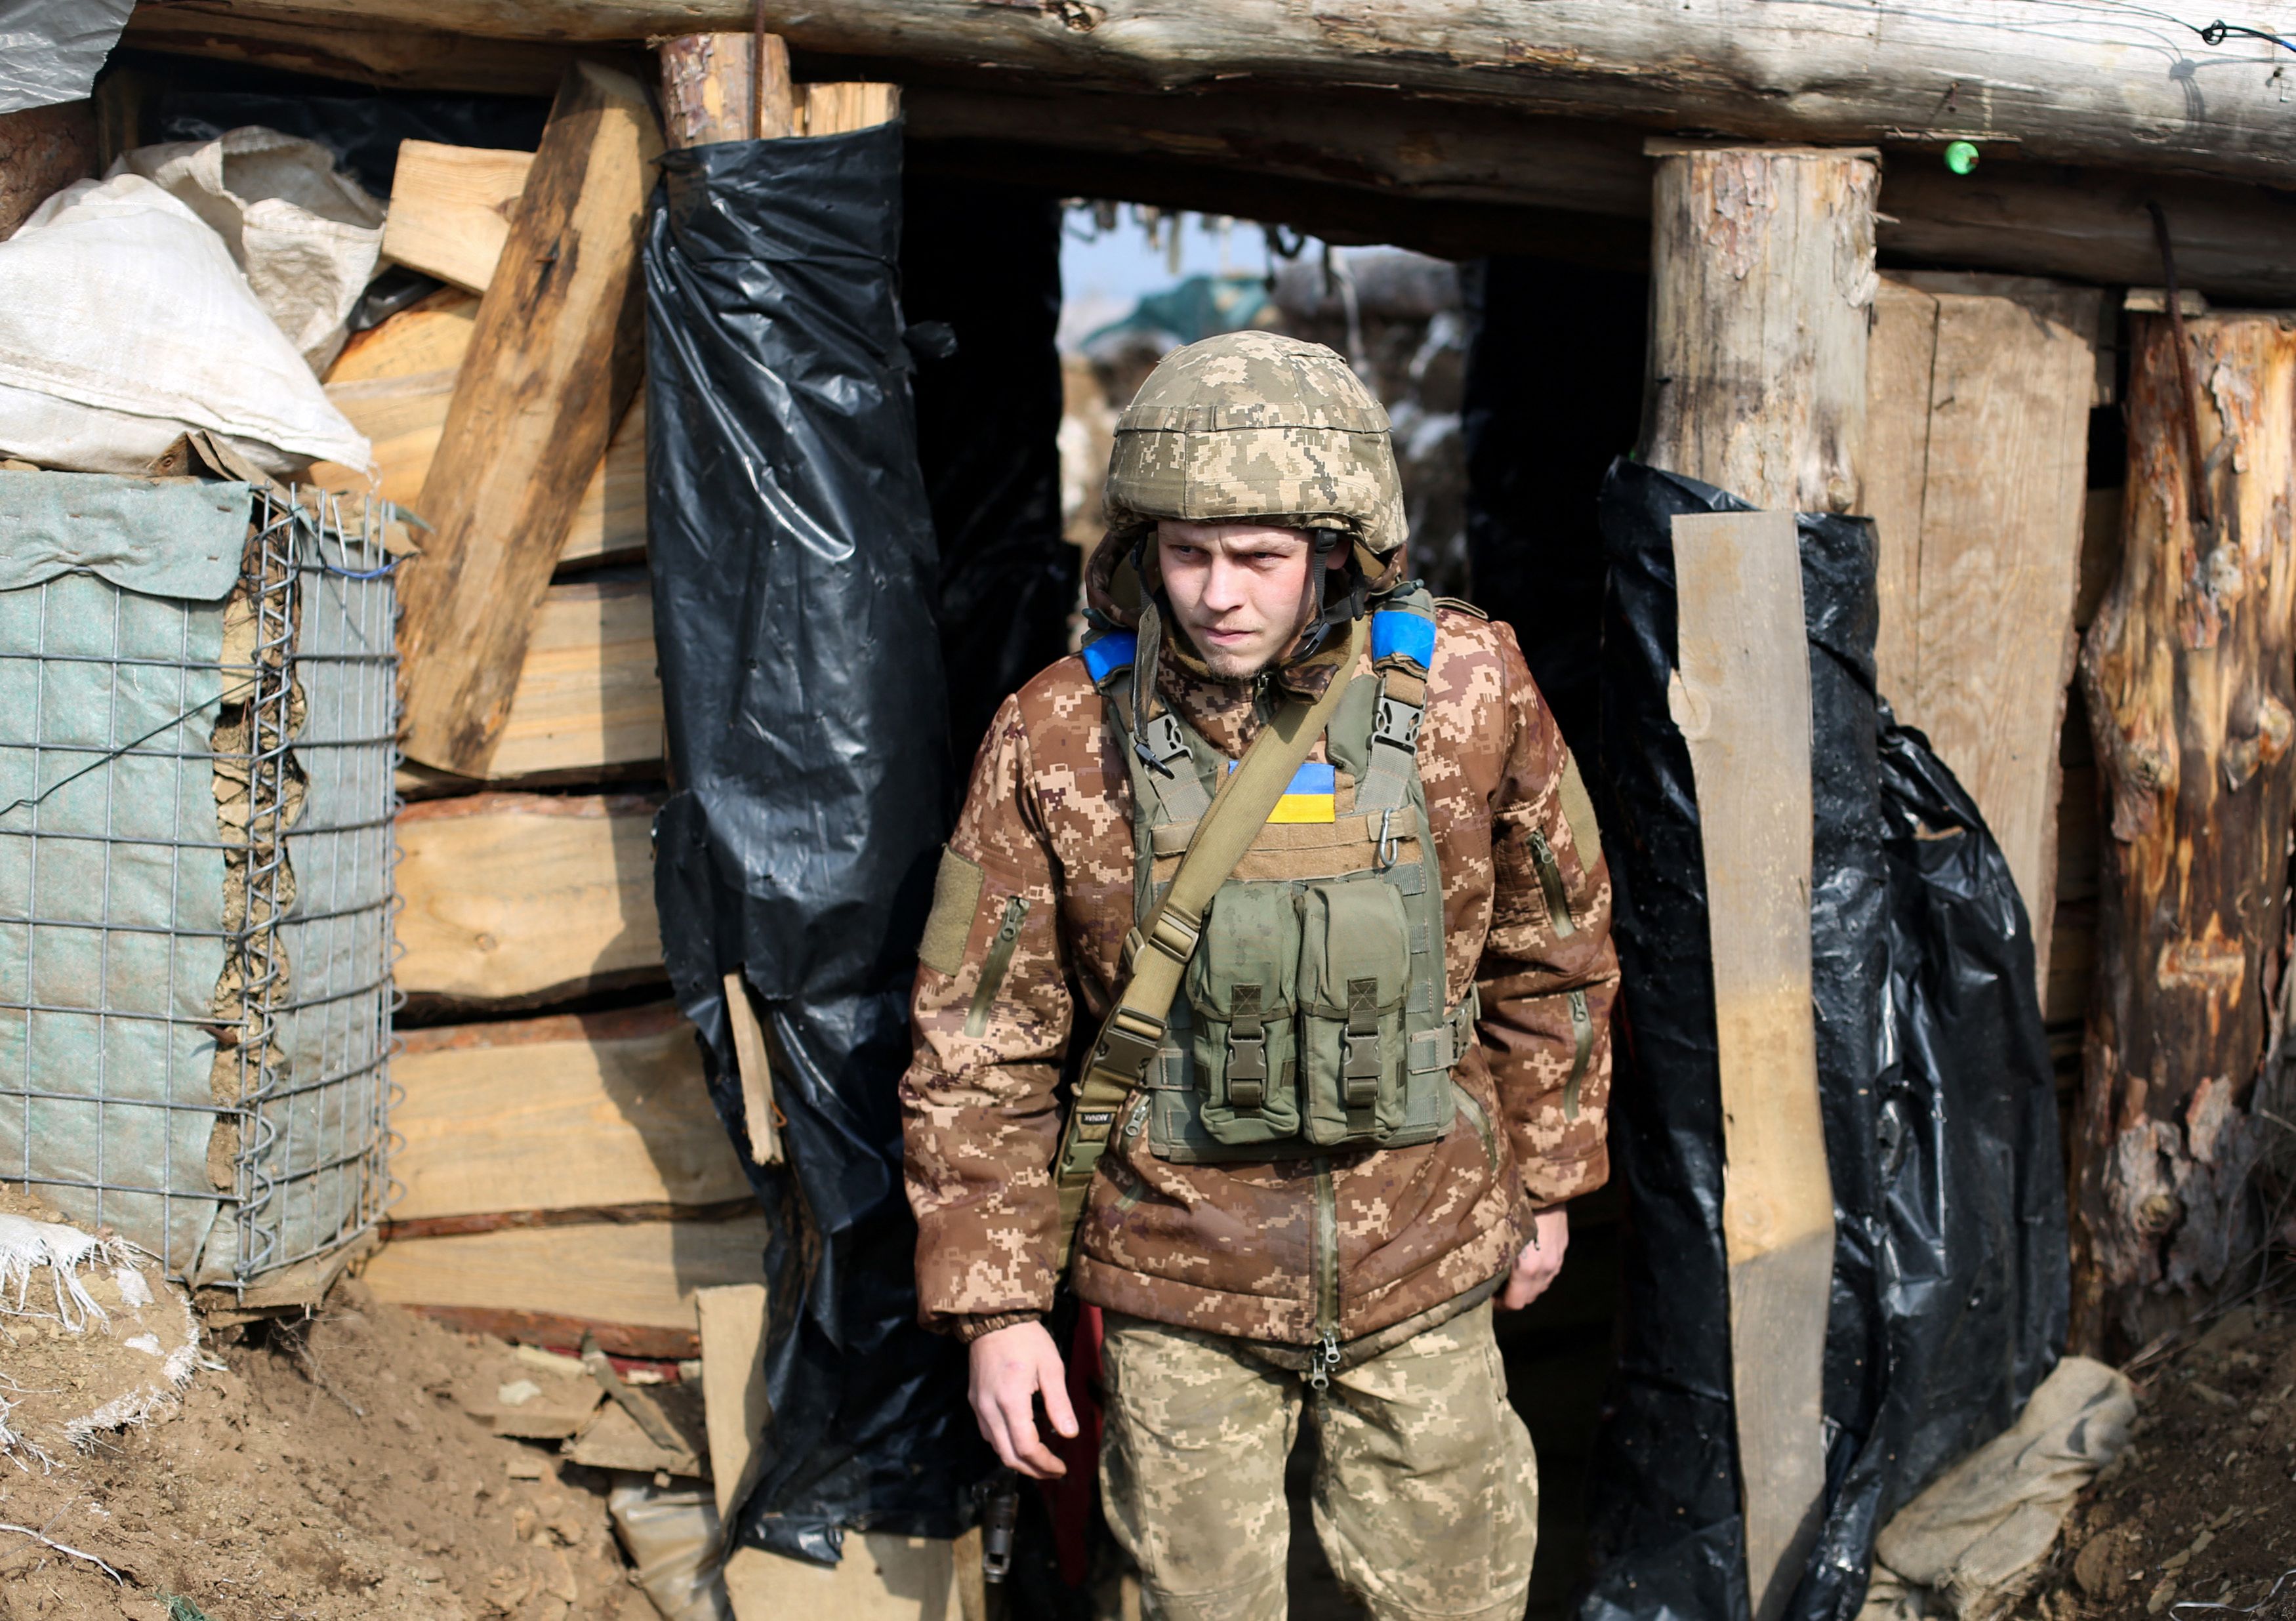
<point>1762,278</point>
<point>709,88</point>
<point>1976,477</point>
<point>2192,695</point>
<point>554,361</point>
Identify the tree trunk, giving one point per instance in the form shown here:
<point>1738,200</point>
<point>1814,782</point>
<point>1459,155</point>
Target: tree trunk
<point>1761,282</point>
<point>2193,697</point>
<point>2093,82</point>
<point>709,88</point>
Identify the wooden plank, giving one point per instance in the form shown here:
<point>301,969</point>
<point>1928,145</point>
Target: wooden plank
<point>517,897</point>
<point>451,209</point>
<point>710,88</point>
<point>838,108</point>
<point>541,1114</point>
<point>553,362</point>
<point>882,1577</point>
<point>732,1324</point>
<point>2190,678</point>
<point>757,1073</point>
<point>1742,699</point>
<point>588,692</point>
<point>1762,277</point>
<point>644,1274</point>
<point>1980,477</point>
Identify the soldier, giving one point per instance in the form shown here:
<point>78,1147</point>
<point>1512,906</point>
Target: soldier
<point>1336,1064</point>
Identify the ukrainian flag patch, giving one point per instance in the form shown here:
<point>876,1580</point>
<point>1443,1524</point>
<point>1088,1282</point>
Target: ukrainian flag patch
<point>1311,796</point>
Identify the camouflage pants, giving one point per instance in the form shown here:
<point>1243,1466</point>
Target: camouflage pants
<point>1426,1494</point>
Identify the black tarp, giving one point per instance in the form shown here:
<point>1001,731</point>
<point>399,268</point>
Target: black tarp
<point>983,262</point>
<point>1949,1288</point>
<point>791,542</point>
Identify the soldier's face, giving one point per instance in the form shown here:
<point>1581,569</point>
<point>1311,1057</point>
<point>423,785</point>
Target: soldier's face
<point>1241,591</point>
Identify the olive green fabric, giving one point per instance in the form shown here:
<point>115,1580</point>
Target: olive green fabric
<point>1426,1488</point>
<point>956,897</point>
<point>1256,425</point>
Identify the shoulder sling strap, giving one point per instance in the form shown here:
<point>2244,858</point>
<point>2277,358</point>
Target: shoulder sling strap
<point>1156,955</point>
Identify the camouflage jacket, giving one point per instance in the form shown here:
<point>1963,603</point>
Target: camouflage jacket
<point>1227,1249</point>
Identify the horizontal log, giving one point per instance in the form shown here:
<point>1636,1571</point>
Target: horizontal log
<point>637,1274</point>
<point>519,898</point>
<point>2085,81</point>
<point>535,1115</point>
<point>1365,165</point>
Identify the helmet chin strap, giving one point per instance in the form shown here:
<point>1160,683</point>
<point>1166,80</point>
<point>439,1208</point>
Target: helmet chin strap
<point>1328,613</point>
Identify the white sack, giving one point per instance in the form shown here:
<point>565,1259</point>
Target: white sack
<point>1971,1546</point>
<point>124,323</point>
<point>306,236</point>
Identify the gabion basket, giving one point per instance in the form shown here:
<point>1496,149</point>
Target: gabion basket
<point>195,873</point>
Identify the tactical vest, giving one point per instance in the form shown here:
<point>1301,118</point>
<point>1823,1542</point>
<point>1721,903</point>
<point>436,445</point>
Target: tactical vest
<point>1311,1016</point>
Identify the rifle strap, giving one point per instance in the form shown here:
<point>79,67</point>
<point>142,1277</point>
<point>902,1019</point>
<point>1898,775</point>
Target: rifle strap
<point>1156,953</point>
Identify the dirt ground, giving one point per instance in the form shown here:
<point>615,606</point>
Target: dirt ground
<point>322,1471</point>
<point>2201,1509</point>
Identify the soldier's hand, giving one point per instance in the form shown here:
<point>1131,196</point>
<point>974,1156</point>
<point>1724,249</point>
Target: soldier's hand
<point>1536,1266</point>
<point>1011,1368</point>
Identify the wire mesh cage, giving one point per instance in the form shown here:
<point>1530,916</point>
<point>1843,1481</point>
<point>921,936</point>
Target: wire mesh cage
<point>195,867</point>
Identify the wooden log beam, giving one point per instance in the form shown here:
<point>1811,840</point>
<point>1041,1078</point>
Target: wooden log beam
<point>1761,279</point>
<point>1365,165</point>
<point>2087,81</point>
<point>2192,696</point>
<point>1976,470</point>
<point>726,88</point>
<point>553,362</point>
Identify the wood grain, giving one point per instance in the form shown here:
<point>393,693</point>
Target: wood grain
<point>764,1133</point>
<point>535,1115</point>
<point>710,88</point>
<point>588,692</point>
<point>2190,677</point>
<point>451,209</point>
<point>1761,278</point>
<point>731,1321</point>
<point>840,107</point>
<point>552,364</point>
<point>644,1274</point>
<point>1742,699</point>
<point>1978,481</point>
<point>514,896</point>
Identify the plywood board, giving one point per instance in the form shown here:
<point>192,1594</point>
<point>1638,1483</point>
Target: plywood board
<point>644,1273</point>
<point>1742,698</point>
<point>451,209</point>
<point>519,896</point>
<point>575,1111</point>
<point>1977,425</point>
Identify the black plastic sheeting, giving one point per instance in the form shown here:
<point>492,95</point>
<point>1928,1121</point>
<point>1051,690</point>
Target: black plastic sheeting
<point>1949,1284</point>
<point>794,573</point>
<point>988,423</point>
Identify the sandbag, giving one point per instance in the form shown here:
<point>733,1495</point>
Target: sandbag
<point>306,236</point>
<point>124,323</point>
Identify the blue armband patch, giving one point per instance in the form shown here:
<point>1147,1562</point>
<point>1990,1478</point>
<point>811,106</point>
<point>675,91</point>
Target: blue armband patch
<point>1398,635</point>
<point>1109,654</point>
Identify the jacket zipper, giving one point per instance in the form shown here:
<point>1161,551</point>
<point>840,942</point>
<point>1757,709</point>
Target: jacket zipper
<point>1550,879</point>
<point>993,970</point>
<point>1137,1119</point>
<point>1582,1032</point>
<point>1324,1358</point>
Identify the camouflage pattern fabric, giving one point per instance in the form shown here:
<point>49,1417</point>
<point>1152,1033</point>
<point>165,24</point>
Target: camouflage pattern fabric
<point>1256,425</point>
<point>1229,1250</point>
<point>1425,1498</point>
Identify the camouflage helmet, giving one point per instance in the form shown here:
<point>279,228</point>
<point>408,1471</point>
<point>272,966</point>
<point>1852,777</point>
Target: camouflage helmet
<point>1256,425</point>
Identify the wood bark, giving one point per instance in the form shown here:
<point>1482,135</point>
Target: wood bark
<point>553,362</point>
<point>712,89</point>
<point>1976,471</point>
<point>2092,82</point>
<point>1742,698</point>
<point>1364,165</point>
<point>2192,696</point>
<point>1761,279</point>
